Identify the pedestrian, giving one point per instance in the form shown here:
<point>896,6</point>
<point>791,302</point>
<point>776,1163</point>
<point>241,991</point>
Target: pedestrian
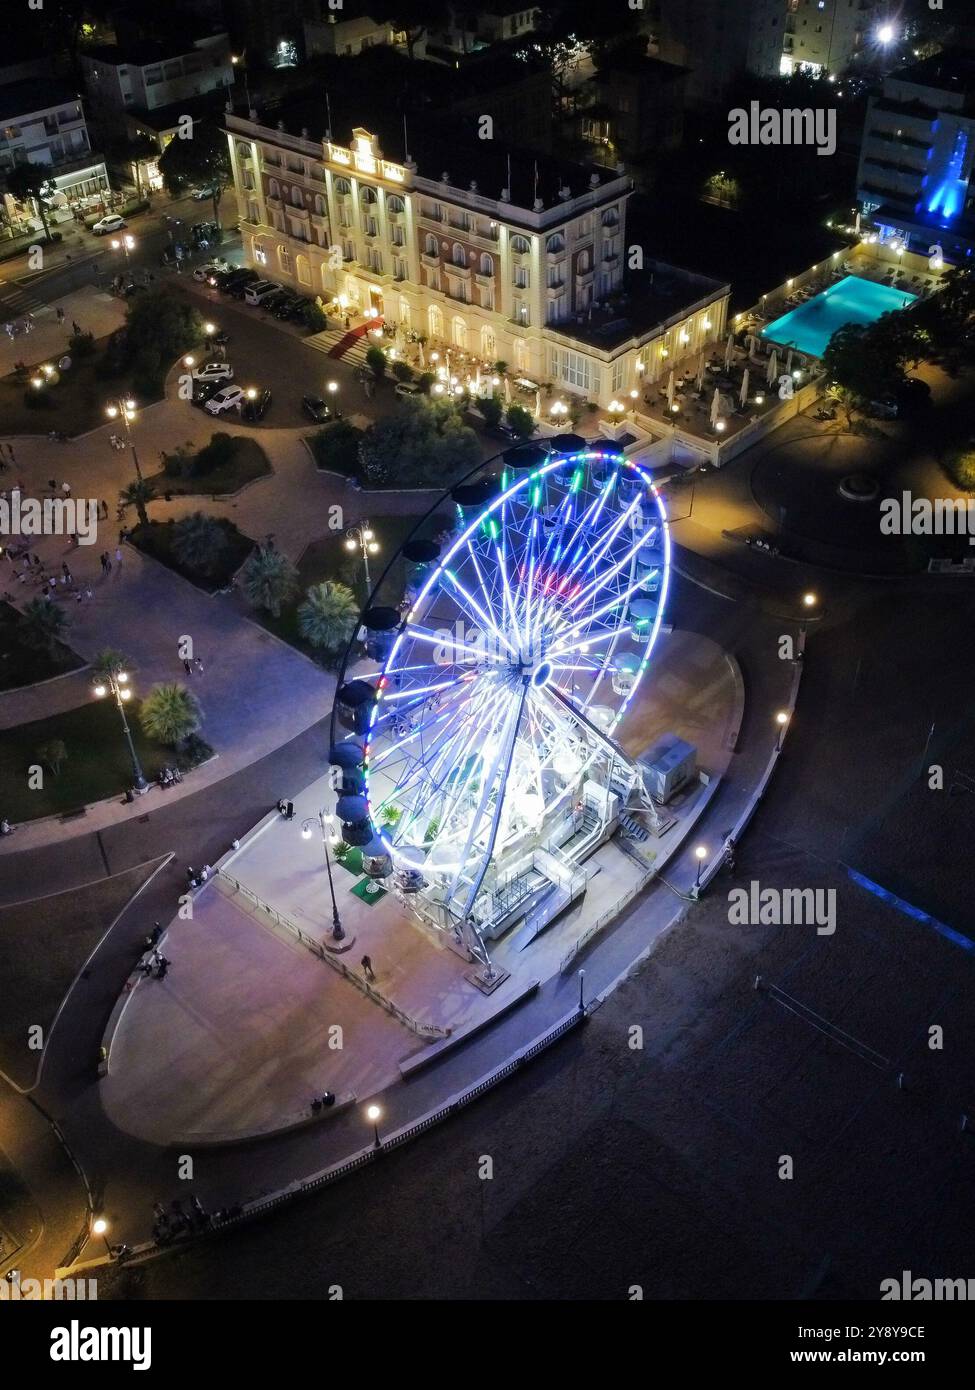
<point>163,967</point>
<point>156,933</point>
<point>88,592</point>
<point>60,314</point>
<point>205,873</point>
<point>118,556</point>
<point>367,969</point>
<point>66,572</point>
<point>198,664</point>
<point>52,484</point>
<point>66,488</point>
<point>187,666</point>
<point>9,330</point>
<point>75,329</point>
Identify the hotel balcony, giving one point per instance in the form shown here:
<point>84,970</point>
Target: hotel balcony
<point>484,282</point>
<point>431,262</point>
<point>459,272</point>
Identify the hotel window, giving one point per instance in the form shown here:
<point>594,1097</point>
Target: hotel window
<point>519,246</point>
<point>397,236</point>
<point>430,245</point>
<point>274,189</point>
<point>284,259</point>
<point>399,268</point>
<point>520,313</point>
<point>487,298</point>
<point>372,226</point>
<point>619,373</point>
<point>348,251</point>
<point>374,259</point>
<point>556,274</point>
<point>520,277</point>
<point>575,370</point>
<point>342,187</point>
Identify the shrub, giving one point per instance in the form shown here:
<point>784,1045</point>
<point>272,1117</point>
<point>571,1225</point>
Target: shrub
<point>491,408</point>
<point>199,543</point>
<point>218,453</point>
<point>402,371</point>
<point>269,580</point>
<point>328,616</point>
<point>170,713</point>
<point>376,360</point>
<point>81,345</point>
<point>336,447</point>
<point>314,318</point>
<point>521,421</point>
<point>194,750</point>
<point>959,464</point>
<point>425,380</point>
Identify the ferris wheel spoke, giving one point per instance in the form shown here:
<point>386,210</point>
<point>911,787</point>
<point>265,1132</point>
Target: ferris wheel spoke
<point>476,609</point>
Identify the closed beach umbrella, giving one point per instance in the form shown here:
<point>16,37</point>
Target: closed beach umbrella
<point>670,389</point>
<point>744,387</point>
<point>715,406</point>
<point>423,359</point>
<point>728,350</point>
<point>773,368</point>
<point>538,404</point>
<point>788,362</point>
<point>507,391</point>
<point>700,373</point>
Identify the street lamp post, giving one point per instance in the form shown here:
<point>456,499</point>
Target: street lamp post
<point>99,1228</point>
<point>338,934</point>
<point>700,854</point>
<point>124,408</point>
<point>363,539</point>
<point>374,1114</point>
<point>126,244</point>
<point>782,720</point>
<point>117,683</point>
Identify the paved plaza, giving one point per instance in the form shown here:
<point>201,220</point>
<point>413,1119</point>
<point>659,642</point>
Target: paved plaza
<point>235,1039</point>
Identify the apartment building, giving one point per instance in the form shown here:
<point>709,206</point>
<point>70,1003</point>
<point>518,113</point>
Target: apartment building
<point>143,74</point>
<point>43,122</point>
<point>497,254</point>
<point>346,38</point>
<point>469,29</point>
<point>815,37</point>
<point>916,177</point>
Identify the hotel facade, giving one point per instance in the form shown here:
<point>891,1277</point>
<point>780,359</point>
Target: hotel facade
<point>527,285</point>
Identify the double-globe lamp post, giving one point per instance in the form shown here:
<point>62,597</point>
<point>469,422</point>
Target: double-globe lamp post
<point>361,538</point>
<point>124,409</point>
<point>325,823</point>
<point>117,683</point>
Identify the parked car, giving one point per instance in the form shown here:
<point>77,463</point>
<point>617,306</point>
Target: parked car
<point>200,195</point>
<point>255,407</point>
<point>211,270</point>
<point>214,371</point>
<point>274,301</point>
<point>227,398</point>
<point>318,410</point>
<point>259,290</point>
<point>237,280</point>
<point>220,339</point>
<point>296,312</point>
<point>203,390</point>
<point>883,408</point>
<point>407,389</point>
<point>111,223</point>
<point>239,286</point>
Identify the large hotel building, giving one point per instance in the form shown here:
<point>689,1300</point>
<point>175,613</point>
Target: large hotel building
<point>503,255</point>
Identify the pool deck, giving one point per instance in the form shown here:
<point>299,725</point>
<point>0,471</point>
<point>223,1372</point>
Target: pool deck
<point>853,299</point>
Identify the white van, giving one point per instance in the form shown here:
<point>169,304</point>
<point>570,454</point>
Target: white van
<point>259,290</point>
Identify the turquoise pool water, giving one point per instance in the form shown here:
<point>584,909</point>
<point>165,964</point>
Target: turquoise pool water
<point>851,300</point>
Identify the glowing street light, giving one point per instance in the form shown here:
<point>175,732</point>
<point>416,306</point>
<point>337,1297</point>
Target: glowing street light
<point>331,386</point>
<point>374,1115</point>
<point>886,34</point>
<point>124,408</point>
<point>782,719</point>
<point>99,1227</point>
<point>363,539</point>
<point>700,854</point>
<point>328,837</point>
<point>809,599</point>
<point>115,681</point>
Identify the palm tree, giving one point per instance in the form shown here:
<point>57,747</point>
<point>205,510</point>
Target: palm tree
<point>138,494</point>
<point>109,662</point>
<point>199,543</point>
<point>53,753</point>
<point>28,181</point>
<point>42,624</point>
<point>268,580</point>
<point>170,713</point>
<point>328,616</point>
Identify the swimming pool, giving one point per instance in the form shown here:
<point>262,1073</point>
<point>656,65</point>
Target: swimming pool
<point>851,300</point>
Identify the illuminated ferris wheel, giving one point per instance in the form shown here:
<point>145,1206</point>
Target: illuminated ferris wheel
<point>488,731</point>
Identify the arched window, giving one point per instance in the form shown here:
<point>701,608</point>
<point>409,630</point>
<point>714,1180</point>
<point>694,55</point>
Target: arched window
<point>521,355</point>
<point>303,270</point>
<point>435,320</point>
<point>611,218</point>
<point>582,264</point>
<point>487,265</point>
<point>343,186</point>
<point>321,207</point>
<point>458,254</point>
<point>458,332</point>
<point>367,196</point>
<point>430,244</point>
<point>395,204</point>
<point>519,245</point>
<point>274,189</point>
<point>405,314</point>
<point>243,152</point>
<point>297,200</point>
<point>489,343</point>
<point>555,244</point>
